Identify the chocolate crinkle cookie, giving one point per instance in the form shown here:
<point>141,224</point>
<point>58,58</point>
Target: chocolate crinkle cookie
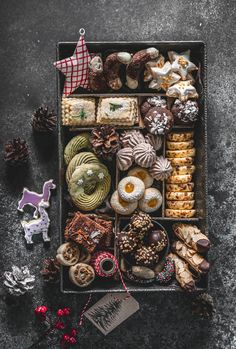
<point>151,102</point>
<point>185,112</point>
<point>159,120</point>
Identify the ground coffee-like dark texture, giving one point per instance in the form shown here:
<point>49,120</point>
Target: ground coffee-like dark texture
<point>30,30</point>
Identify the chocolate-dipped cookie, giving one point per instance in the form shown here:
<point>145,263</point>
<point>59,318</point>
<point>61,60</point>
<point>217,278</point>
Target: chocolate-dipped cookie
<point>157,240</point>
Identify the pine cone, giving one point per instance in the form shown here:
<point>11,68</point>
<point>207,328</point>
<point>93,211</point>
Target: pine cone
<point>203,305</point>
<point>43,121</point>
<point>105,141</point>
<point>19,280</point>
<point>51,270</point>
<point>140,223</point>
<point>16,152</point>
<point>146,256</point>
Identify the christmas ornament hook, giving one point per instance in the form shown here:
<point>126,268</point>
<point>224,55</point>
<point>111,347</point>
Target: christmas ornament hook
<point>82,31</point>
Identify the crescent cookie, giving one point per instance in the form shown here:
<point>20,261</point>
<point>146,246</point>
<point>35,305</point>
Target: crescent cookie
<point>180,205</point>
<point>180,137</point>
<point>180,145</point>
<point>183,170</point>
<point>179,179</point>
<point>181,161</point>
<point>180,153</point>
<point>180,196</point>
<point>180,213</point>
<point>181,187</point>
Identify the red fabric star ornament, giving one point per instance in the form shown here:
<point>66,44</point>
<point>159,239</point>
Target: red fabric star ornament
<point>75,68</point>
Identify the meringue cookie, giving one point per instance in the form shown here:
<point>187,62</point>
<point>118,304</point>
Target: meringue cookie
<point>131,138</point>
<point>154,140</point>
<point>161,168</point>
<point>144,155</point>
<point>124,158</point>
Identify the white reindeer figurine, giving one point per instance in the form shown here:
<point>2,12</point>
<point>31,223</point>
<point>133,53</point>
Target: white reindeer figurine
<point>37,226</point>
<point>33,199</point>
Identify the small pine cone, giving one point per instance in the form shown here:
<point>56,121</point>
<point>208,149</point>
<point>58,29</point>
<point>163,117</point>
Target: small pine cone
<point>146,256</point>
<point>105,141</point>
<point>16,152</point>
<point>127,242</point>
<point>51,270</point>
<point>141,223</point>
<point>203,305</point>
<point>43,120</point>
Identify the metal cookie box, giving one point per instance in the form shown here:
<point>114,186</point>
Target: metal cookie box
<point>198,56</point>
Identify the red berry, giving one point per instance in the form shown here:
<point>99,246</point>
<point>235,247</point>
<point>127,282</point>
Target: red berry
<point>41,309</point>
<point>65,338</point>
<point>66,311</point>
<point>59,325</point>
<point>60,312</point>
<point>73,332</point>
<point>72,341</point>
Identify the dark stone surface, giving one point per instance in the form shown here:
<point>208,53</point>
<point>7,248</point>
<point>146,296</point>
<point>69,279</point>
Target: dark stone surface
<point>29,32</point>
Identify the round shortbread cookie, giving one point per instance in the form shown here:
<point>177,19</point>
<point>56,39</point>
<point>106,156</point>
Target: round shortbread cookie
<point>180,205</point>
<point>180,145</point>
<point>179,179</point>
<point>183,170</point>
<point>181,187</point>
<point>179,213</point>
<point>180,196</point>
<point>180,137</point>
<point>180,153</point>
<point>181,161</point>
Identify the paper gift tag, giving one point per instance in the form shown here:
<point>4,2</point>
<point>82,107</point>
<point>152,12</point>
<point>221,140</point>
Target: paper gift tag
<point>111,310</point>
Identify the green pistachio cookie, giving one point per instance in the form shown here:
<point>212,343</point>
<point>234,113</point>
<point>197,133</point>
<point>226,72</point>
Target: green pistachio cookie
<point>79,159</point>
<point>85,175</point>
<point>75,145</point>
